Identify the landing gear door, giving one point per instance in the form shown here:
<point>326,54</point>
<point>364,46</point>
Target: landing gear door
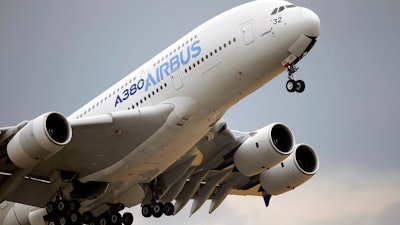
<point>247,31</point>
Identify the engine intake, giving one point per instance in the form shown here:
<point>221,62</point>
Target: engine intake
<point>299,167</point>
<point>264,149</point>
<point>39,139</point>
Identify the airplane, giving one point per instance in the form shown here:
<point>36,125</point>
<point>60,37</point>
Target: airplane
<point>157,137</point>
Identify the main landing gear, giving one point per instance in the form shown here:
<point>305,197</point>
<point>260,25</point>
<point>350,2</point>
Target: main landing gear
<point>157,209</point>
<point>63,212</point>
<point>293,85</point>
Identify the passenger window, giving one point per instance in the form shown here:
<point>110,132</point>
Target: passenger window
<point>275,11</point>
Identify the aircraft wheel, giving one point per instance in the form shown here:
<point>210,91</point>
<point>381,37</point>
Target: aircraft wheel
<point>62,220</point>
<point>74,206</point>
<point>169,209</point>
<point>103,221</point>
<point>61,205</point>
<point>87,217</point>
<point>115,219</point>
<point>50,207</point>
<point>147,211</point>
<point>127,218</point>
<point>158,209</point>
<point>300,86</point>
<point>75,218</point>
<point>291,85</point>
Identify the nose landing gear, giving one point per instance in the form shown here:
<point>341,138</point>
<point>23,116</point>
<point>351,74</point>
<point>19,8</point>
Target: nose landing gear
<point>293,85</point>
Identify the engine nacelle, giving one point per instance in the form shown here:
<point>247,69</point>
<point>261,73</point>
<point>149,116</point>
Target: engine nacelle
<point>264,149</point>
<point>39,139</point>
<point>22,214</point>
<point>300,166</point>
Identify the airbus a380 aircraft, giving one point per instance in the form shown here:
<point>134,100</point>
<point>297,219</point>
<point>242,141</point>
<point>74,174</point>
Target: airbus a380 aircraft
<point>157,137</point>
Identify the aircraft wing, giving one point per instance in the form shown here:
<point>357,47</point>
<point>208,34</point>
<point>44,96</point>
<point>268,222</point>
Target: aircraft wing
<point>208,172</point>
<point>96,142</point>
<point>260,163</point>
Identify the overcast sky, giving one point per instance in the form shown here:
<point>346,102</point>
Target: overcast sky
<point>58,55</point>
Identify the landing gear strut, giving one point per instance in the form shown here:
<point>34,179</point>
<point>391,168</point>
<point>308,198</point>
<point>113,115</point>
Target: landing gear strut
<point>152,206</point>
<point>293,85</point>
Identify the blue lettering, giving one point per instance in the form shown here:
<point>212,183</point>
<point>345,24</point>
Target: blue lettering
<point>126,94</point>
<point>174,63</point>
<point>140,84</point>
<point>183,61</point>
<point>196,49</point>
<point>160,71</point>
<point>166,69</point>
<point>118,100</point>
<point>158,75</point>
<point>150,81</point>
<point>133,89</point>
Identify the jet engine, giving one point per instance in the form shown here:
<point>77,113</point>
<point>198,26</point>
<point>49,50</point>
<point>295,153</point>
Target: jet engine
<point>264,149</point>
<point>300,166</point>
<point>39,139</point>
<point>22,214</point>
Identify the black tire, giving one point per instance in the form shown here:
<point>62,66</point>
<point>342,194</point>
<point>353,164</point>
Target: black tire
<point>62,205</point>
<point>75,218</point>
<point>158,210</point>
<point>147,211</point>
<point>115,219</point>
<point>169,209</point>
<point>51,207</point>
<point>291,85</point>
<point>87,217</point>
<point>104,221</point>
<point>127,218</point>
<point>62,220</point>
<point>74,206</point>
<point>300,86</point>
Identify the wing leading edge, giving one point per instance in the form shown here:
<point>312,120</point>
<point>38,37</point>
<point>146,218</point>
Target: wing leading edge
<point>96,143</point>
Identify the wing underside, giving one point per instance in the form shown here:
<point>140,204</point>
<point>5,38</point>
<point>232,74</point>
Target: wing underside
<point>96,143</point>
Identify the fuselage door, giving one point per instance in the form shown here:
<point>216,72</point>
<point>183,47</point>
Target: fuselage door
<point>247,31</point>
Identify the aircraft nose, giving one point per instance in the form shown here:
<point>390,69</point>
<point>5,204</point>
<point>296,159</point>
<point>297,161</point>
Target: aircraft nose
<point>311,23</point>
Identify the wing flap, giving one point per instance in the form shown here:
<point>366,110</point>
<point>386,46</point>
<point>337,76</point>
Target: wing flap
<point>214,177</point>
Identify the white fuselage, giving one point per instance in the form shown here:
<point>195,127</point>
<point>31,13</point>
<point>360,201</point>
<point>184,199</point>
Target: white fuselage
<point>201,75</point>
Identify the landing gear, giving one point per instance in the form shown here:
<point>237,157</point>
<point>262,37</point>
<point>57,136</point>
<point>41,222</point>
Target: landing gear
<point>62,212</point>
<point>157,209</point>
<point>293,85</point>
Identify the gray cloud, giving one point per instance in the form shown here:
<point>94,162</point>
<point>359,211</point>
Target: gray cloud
<point>58,55</point>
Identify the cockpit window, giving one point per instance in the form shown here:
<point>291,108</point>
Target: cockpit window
<point>281,8</point>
